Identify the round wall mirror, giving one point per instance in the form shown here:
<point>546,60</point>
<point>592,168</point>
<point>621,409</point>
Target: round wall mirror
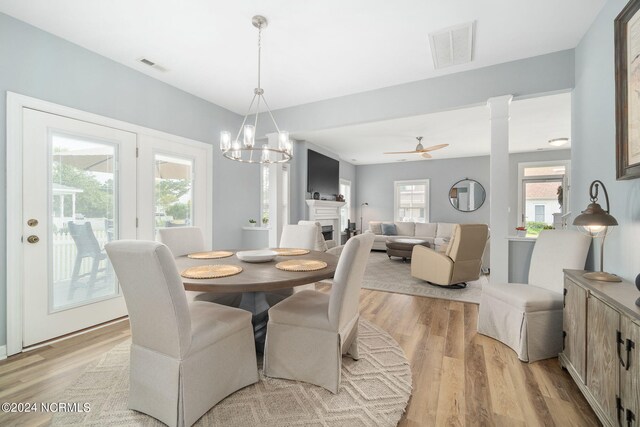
<point>467,195</point>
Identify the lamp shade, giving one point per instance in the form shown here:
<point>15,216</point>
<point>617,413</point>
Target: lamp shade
<point>594,215</point>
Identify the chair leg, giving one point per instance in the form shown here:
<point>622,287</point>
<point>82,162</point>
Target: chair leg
<point>74,275</point>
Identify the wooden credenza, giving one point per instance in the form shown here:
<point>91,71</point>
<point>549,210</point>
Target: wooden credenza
<point>601,350</point>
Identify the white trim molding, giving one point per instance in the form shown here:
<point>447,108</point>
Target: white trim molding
<point>3,352</point>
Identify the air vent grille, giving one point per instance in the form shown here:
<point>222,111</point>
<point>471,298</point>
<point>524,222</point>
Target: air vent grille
<point>152,64</point>
<point>452,46</point>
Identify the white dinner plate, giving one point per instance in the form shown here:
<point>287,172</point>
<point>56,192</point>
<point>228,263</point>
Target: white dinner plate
<point>261,255</point>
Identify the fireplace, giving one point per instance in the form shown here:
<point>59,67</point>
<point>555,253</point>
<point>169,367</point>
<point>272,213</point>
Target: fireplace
<point>327,213</point>
<point>327,232</point>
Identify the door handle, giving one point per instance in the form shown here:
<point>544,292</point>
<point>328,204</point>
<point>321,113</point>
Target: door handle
<point>629,346</point>
<point>619,341</point>
<point>33,239</point>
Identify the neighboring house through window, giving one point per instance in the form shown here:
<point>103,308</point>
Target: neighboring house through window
<point>411,200</point>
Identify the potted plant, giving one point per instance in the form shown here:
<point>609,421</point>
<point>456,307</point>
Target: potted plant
<point>521,231</point>
<point>252,222</point>
<point>265,220</point>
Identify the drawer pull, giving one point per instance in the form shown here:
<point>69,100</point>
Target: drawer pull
<point>630,345</point>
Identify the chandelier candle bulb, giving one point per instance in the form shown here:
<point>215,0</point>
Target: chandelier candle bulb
<point>265,154</point>
<point>249,135</point>
<point>225,140</point>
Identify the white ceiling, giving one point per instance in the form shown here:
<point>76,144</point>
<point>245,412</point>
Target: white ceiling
<point>533,123</point>
<point>312,50</point>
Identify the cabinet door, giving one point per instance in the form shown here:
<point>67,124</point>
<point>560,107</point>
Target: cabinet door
<point>575,327</point>
<point>630,374</point>
<point>602,358</point>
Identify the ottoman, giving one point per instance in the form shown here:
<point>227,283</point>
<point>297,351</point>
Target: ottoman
<point>402,247</point>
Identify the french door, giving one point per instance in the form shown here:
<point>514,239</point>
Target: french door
<point>77,196</point>
<point>85,180</point>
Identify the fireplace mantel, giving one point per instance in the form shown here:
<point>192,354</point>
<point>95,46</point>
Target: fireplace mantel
<point>325,204</point>
<point>326,212</point>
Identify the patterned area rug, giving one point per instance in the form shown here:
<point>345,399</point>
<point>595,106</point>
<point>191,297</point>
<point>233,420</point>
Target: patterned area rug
<point>374,392</point>
<point>393,275</point>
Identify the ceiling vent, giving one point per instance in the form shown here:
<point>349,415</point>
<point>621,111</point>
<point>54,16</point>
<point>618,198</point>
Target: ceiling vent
<point>452,46</point>
<point>152,64</point>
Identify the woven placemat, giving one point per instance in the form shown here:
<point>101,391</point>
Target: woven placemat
<point>291,251</point>
<point>301,265</point>
<point>210,271</point>
<point>210,255</point>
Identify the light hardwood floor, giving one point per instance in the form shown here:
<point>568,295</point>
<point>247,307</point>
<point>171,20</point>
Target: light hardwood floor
<point>459,376</point>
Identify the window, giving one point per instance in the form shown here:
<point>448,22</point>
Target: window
<point>264,196</point>
<point>542,193</point>
<point>411,200</point>
<point>345,213</point>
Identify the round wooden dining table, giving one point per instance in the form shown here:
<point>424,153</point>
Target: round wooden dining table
<point>255,280</point>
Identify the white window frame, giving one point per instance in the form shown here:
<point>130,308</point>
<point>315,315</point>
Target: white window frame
<point>427,197</point>
<point>566,183</point>
<point>347,206</point>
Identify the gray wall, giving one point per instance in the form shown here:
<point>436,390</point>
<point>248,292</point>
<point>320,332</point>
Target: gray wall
<point>38,64</point>
<point>593,135</point>
<point>375,185</point>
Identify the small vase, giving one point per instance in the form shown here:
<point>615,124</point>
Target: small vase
<point>522,233</point>
<point>252,224</point>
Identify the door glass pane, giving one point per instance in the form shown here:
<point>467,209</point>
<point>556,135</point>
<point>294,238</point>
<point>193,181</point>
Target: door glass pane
<point>542,199</point>
<point>83,218</point>
<point>173,191</point>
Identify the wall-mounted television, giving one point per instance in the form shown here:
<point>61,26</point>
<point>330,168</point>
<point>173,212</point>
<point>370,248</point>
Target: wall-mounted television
<point>323,174</point>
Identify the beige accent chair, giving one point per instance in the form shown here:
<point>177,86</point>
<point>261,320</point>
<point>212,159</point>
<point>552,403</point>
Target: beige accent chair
<point>185,358</point>
<point>528,317</point>
<point>182,241</point>
<point>461,262</point>
<point>308,333</point>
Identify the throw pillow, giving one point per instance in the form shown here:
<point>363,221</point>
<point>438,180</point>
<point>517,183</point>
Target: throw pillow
<point>389,230</point>
<point>375,227</point>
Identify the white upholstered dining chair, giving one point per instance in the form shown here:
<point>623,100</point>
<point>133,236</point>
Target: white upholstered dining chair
<point>182,241</point>
<point>185,358</point>
<point>299,236</point>
<point>308,333</point>
<point>528,317</point>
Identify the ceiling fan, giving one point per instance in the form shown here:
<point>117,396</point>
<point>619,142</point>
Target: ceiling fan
<point>420,149</point>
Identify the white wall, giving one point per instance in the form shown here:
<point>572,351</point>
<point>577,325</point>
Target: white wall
<point>593,143</point>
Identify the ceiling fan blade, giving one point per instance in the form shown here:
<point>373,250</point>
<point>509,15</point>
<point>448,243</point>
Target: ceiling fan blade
<point>401,152</point>
<point>435,147</point>
<point>426,155</point>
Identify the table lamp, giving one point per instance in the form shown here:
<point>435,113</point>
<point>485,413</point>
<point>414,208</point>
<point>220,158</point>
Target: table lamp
<point>596,221</point>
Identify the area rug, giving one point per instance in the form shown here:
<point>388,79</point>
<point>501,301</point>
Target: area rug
<point>393,275</point>
<point>374,392</point>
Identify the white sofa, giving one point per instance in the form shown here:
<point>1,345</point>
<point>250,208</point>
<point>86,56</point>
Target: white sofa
<point>436,233</point>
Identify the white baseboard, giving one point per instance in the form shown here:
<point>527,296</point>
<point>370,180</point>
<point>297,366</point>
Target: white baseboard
<point>3,352</point>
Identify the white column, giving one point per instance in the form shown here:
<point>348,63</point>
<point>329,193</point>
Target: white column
<point>276,198</point>
<point>499,188</point>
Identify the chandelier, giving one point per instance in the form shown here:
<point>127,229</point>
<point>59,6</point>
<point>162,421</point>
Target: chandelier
<point>245,150</point>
